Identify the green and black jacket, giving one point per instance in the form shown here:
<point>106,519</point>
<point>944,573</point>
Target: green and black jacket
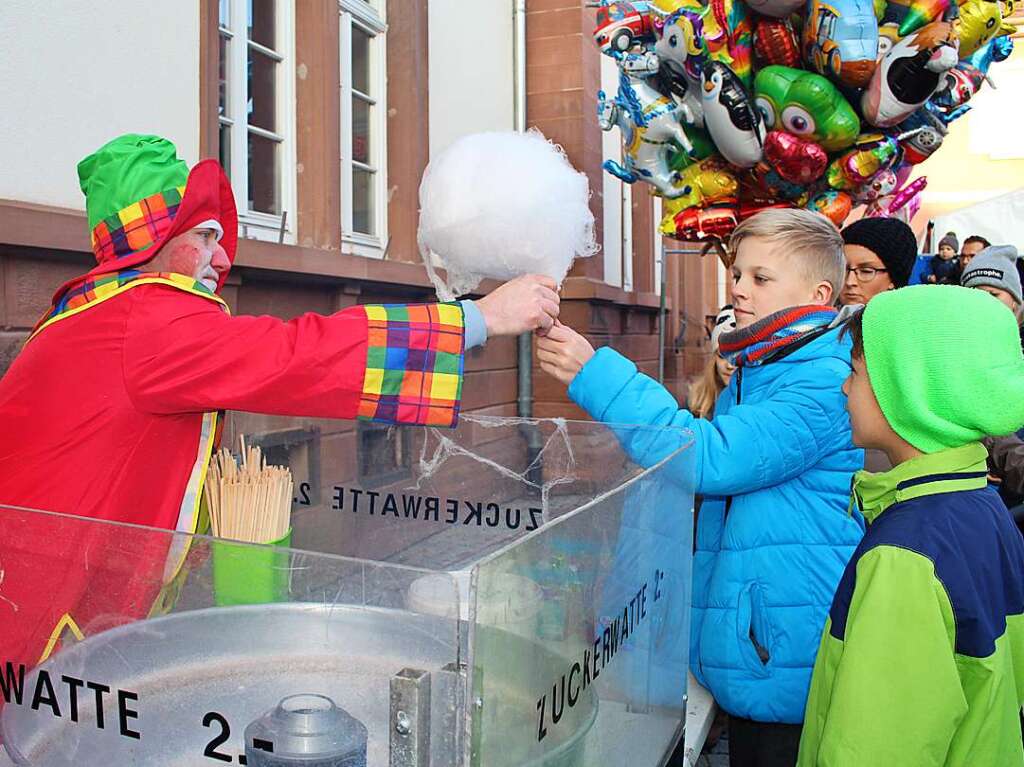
<point>922,659</point>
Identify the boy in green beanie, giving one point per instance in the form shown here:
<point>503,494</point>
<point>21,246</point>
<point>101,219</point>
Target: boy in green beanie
<point>922,658</point>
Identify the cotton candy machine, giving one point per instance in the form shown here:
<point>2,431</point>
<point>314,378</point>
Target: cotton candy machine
<point>508,593</point>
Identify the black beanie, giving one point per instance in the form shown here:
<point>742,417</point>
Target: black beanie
<point>891,240</point>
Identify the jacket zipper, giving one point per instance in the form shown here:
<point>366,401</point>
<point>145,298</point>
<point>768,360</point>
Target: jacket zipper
<point>728,500</point>
<point>761,650</point>
<point>739,399</point>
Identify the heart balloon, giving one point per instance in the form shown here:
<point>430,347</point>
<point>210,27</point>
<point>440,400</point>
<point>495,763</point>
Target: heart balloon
<point>796,160</point>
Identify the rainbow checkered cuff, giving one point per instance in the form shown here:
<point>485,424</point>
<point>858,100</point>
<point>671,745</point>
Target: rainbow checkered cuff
<point>137,226</point>
<point>414,364</point>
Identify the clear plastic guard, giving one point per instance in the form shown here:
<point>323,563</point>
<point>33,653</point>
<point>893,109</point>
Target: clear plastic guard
<point>590,665</point>
<point>470,569</point>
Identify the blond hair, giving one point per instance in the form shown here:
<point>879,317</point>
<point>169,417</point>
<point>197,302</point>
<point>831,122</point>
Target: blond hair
<point>704,390</point>
<point>808,237</point>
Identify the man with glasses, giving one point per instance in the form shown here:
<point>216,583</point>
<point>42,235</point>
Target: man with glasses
<point>880,255</point>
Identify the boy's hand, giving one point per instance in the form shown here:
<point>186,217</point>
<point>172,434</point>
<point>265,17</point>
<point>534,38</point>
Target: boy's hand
<point>521,305</point>
<point>563,352</point>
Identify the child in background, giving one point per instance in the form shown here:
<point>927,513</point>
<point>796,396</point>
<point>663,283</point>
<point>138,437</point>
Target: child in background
<point>922,660</point>
<point>945,265</point>
<point>774,466</point>
<point>704,391</point>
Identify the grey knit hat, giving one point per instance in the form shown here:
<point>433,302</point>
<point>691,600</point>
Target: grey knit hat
<point>951,240</point>
<point>996,267</point>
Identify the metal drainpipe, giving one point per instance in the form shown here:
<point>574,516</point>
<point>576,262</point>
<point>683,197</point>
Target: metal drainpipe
<point>661,317</point>
<point>525,345</point>
<point>524,363</point>
<point>662,331</point>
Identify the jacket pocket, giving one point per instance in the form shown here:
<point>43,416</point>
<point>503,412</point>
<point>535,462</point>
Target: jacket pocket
<point>752,633</point>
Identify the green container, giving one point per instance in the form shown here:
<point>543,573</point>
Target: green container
<point>251,574</point>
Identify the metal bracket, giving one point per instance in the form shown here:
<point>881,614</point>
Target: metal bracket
<point>410,718</point>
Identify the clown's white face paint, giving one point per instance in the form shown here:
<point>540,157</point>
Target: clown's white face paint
<point>197,254</point>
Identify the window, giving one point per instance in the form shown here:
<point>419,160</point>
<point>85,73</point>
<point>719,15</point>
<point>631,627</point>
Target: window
<point>617,197</point>
<point>299,450</point>
<point>363,127</point>
<point>256,113</point>
<point>385,454</point>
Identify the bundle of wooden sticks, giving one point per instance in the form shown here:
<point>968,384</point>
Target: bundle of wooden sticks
<point>251,502</point>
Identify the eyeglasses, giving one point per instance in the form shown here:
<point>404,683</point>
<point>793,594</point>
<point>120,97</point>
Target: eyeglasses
<point>865,273</point>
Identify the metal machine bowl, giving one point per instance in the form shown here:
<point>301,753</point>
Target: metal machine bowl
<point>191,682</point>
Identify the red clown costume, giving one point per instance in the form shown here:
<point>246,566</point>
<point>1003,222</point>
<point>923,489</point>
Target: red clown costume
<point>111,409</point>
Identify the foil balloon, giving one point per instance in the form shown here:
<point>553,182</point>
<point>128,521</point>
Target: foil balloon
<point>909,74</point>
<point>728,37</point>
<point>621,26</point>
<point>735,125</point>
<point>904,17</point>
<point>907,193</point>
<point>995,50</point>
<point>705,182</point>
<point>703,147</point>
<point>921,135</point>
<point>840,39</point>
<point>750,208</point>
<point>958,86</point>
<point>806,105</point>
<point>662,9</point>
<point>681,54</point>
<point>778,9</point>
<point>775,43</point>
<point>835,206</point>
<point>903,204</point>
<point>680,43</point>
<point>795,159</point>
<point>879,187</point>
<point>768,183</point>
<point>856,167</point>
<point>980,21</point>
<point>715,221</point>
<point>651,128</point>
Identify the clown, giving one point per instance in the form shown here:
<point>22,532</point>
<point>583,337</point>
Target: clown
<point>111,410</point>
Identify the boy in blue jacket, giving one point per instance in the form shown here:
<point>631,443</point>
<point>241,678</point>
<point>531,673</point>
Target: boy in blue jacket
<point>774,466</point>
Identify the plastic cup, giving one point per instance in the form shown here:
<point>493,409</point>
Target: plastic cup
<point>250,574</point>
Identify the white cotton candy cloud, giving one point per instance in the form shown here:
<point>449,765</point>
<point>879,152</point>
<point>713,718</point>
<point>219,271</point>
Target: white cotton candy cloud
<point>502,205</point>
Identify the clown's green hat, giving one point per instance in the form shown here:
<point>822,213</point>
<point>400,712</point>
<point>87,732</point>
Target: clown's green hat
<point>945,365</point>
<point>139,194</point>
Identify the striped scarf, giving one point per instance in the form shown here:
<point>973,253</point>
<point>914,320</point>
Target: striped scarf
<point>757,343</point>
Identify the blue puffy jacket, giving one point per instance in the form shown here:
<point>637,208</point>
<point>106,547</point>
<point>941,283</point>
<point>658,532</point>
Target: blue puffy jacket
<point>774,532</point>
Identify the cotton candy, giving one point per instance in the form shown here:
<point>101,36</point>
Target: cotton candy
<point>502,205</point>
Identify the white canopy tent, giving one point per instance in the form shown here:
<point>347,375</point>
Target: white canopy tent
<point>1000,220</point>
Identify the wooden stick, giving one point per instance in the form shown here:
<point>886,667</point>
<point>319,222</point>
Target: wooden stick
<point>251,502</point>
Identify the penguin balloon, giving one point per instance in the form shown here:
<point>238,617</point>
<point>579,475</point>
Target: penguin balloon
<point>735,124</point>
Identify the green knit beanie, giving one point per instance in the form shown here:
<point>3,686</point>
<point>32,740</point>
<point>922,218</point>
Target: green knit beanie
<point>126,170</point>
<point>945,365</point>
